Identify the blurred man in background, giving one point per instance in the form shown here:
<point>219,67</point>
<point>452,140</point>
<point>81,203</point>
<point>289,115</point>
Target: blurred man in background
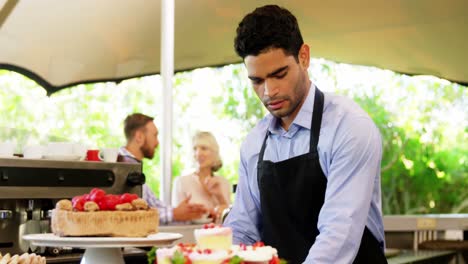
<point>142,140</point>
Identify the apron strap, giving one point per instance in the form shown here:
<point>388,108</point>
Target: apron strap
<point>316,120</point>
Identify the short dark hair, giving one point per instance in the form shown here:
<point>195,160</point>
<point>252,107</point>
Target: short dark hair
<point>268,27</point>
<point>134,122</point>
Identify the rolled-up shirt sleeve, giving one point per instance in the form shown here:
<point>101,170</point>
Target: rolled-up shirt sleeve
<point>352,175</point>
<point>165,211</point>
<point>244,216</point>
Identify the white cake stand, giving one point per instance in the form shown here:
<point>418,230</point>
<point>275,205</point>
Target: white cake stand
<point>102,249</point>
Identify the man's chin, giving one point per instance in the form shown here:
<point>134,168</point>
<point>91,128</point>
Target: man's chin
<point>279,113</point>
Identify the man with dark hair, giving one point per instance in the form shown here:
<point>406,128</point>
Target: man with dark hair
<point>142,141</point>
<point>309,176</point>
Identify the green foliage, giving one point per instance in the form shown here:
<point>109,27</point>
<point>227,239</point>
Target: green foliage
<point>239,101</point>
<point>235,260</point>
<point>423,125</point>
<point>178,258</point>
<point>152,255</point>
<point>422,120</point>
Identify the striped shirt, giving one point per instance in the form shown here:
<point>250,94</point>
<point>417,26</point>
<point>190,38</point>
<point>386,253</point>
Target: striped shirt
<point>165,211</point>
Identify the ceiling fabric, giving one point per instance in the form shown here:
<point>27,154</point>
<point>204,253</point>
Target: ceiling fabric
<point>61,43</point>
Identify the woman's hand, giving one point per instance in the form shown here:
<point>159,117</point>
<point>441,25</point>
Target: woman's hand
<point>188,211</point>
<point>213,187</point>
<point>217,212</point>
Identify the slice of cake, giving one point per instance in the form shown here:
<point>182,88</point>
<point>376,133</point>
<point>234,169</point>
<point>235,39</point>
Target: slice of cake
<point>186,253</point>
<point>214,246</point>
<point>213,237</point>
<point>209,256</point>
<point>101,214</point>
<point>257,253</point>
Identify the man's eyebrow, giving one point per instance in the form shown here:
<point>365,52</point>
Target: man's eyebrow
<point>275,72</point>
<point>278,71</point>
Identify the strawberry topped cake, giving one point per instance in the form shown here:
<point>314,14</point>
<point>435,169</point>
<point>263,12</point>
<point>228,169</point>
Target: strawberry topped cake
<point>257,253</point>
<point>213,237</point>
<point>101,214</point>
<point>214,246</point>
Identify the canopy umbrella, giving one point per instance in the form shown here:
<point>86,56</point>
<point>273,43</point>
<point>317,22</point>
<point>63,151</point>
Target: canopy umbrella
<point>63,43</point>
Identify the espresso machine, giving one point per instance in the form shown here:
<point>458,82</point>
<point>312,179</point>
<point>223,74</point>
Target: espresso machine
<point>30,188</point>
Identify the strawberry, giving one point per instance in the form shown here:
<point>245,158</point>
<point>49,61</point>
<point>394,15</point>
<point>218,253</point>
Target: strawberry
<point>97,195</point>
<point>97,190</point>
<point>128,197</point>
<point>111,201</point>
<point>258,244</point>
<point>102,204</point>
<point>78,202</point>
<point>274,260</point>
<point>76,198</point>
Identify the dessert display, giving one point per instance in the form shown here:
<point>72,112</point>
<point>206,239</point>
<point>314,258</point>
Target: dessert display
<point>256,253</point>
<point>214,246</point>
<point>101,214</point>
<point>213,237</point>
<point>22,259</point>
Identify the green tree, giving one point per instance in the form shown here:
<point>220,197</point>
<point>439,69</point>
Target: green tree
<point>422,120</point>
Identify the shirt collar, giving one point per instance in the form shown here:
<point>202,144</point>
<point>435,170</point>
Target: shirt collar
<point>123,151</point>
<point>303,118</point>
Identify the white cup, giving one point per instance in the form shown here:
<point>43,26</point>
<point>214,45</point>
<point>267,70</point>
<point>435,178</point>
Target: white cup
<point>109,154</point>
<point>33,152</point>
<point>7,149</point>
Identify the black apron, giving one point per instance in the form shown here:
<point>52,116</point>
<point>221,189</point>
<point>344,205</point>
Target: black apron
<point>292,193</point>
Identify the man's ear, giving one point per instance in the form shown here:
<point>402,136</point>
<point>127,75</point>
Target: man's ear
<point>304,56</point>
<point>139,137</point>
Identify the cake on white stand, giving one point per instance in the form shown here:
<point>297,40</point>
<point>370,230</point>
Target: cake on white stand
<point>102,249</point>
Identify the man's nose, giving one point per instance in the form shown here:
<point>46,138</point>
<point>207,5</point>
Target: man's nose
<point>270,87</point>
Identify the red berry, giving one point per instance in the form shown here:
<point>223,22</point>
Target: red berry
<point>97,195</point>
<point>102,204</point>
<point>86,197</point>
<point>97,190</point>
<point>111,201</point>
<point>78,202</point>
<point>207,251</point>
<point>76,198</point>
<point>128,198</point>
<point>258,244</point>
<point>274,260</point>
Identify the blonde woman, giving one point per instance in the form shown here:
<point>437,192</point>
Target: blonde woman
<point>203,186</point>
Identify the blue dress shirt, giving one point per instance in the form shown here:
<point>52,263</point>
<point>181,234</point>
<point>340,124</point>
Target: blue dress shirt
<point>350,151</point>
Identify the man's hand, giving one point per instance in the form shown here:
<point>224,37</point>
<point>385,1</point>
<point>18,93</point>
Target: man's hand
<point>187,211</point>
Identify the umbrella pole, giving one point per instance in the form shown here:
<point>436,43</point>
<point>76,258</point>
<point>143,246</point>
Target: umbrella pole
<point>167,72</point>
